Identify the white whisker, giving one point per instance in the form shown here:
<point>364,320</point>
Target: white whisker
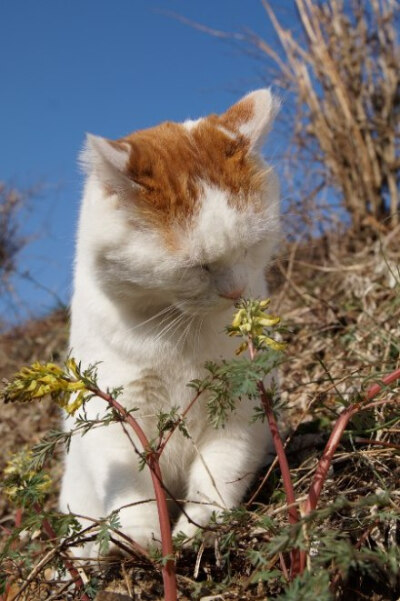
<point>186,331</point>
<point>200,325</point>
<point>170,308</point>
<point>170,327</point>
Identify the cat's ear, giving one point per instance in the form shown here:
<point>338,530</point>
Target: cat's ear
<point>252,116</point>
<point>108,160</point>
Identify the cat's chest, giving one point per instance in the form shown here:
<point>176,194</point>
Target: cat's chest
<point>159,396</point>
<point>155,376</point>
<point>163,386</point>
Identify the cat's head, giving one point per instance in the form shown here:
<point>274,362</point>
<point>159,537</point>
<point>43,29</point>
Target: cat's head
<point>186,212</point>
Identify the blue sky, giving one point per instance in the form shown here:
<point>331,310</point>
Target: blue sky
<point>76,66</point>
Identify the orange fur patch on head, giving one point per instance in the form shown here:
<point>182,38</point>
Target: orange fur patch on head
<point>159,162</point>
<point>170,163</point>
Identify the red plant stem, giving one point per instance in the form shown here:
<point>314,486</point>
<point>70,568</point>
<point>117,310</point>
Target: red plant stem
<point>332,444</point>
<point>334,439</point>
<point>293,513</point>
<point>379,443</point>
<point>373,391</point>
<point>280,451</point>
<point>179,421</point>
<point>47,527</point>
<point>283,566</point>
<point>8,586</point>
<point>152,460</point>
<point>18,517</point>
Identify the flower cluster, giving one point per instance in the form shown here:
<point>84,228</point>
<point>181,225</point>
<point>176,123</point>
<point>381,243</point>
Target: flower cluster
<point>40,379</point>
<point>252,323</point>
<point>20,478</point>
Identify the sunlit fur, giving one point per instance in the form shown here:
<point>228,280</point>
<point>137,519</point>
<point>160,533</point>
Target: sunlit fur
<point>176,223</point>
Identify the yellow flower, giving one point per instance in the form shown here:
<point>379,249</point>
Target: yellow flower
<point>72,367</point>
<point>237,319</point>
<point>274,344</point>
<point>250,321</point>
<point>73,406</point>
<point>269,320</point>
<point>41,379</point>
<point>242,347</point>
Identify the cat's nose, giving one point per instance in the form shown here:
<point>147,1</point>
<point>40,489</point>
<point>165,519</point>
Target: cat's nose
<point>233,294</point>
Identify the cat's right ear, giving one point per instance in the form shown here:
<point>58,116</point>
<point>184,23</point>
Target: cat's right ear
<point>107,160</point>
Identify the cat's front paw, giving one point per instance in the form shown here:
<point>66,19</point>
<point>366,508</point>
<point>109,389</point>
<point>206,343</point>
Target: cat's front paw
<point>188,531</point>
<point>145,538</point>
<point>193,531</point>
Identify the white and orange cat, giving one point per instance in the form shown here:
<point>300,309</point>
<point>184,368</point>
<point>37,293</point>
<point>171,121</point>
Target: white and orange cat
<point>177,222</point>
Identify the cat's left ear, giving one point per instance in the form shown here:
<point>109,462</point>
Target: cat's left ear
<point>108,160</point>
<point>252,116</point>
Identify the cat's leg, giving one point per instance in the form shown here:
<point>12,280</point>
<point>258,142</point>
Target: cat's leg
<point>225,465</point>
<point>79,496</point>
<point>103,475</point>
<point>123,484</point>
<point>130,492</point>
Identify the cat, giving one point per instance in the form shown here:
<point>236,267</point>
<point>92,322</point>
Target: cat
<point>177,223</point>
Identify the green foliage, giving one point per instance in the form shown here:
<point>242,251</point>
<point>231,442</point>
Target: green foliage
<point>167,421</point>
<point>92,587</point>
<point>310,585</point>
<point>330,551</point>
<point>267,576</point>
<point>158,558</point>
<point>179,540</point>
<point>44,449</point>
<point>230,381</point>
<point>105,528</point>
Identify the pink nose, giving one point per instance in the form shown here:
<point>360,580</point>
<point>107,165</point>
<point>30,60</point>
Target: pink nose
<point>233,294</point>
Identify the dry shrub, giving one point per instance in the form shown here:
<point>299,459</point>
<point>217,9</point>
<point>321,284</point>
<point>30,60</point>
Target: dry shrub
<point>11,239</point>
<point>344,69</point>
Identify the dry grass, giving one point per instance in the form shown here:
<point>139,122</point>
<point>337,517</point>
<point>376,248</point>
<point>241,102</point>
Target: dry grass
<point>341,301</point>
